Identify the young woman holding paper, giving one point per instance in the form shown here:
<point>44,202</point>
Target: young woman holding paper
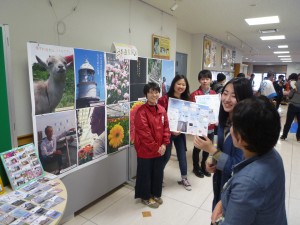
<point>179,89</point>
<point>225,155</point>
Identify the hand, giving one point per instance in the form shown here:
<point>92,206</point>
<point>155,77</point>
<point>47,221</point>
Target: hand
<point>211,168</point>
<point>205,145</point>
<point>175,133</point>
<point>162,150</point>
<point>71,139</point>
<point>217,213</point>
<point>57,152</point>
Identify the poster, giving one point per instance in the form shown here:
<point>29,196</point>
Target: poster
<point>91,133</point>
<point>154,71</point>
<point>22,165</point>
<point>160,47</point>
<point>51,74</point>
<point>134,106</point>
<point>188,117</point>
<point>117,79</point>
<point>168,74</point>
<point>227,59</point>
<point>138,78</point>
<point>56,140</point>
<point>117,127</point>
<point>90,80</point>
<point>213,102</point>
<point>209,53</point>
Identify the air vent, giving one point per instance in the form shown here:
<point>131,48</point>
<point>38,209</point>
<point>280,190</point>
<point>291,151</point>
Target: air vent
<point>268,31</point>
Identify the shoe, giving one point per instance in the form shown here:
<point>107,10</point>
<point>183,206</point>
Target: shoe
<point>198,172</point>
<point>207,174</point>
<point>151,203</point>
<point>298,140</point>
<point>282,137</point>
<point>158,200</point>
<point>186,184</point>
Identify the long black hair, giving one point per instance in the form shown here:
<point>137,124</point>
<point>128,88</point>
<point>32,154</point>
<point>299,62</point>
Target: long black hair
<point>242,90</point>
<point>186,94</point>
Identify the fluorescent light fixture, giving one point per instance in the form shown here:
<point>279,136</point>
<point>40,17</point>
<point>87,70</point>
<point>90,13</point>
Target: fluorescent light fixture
<point>262,20</point>
<point>283,46</point>
<point>174,7</point>
<point>282,52</point>
<point>268,31</point>
<point>285,59</point>
<point>275,37</point>
<point>284,56</point>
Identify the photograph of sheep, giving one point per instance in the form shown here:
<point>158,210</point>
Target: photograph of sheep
<point>51,74</point>
<point>56,140</point>
<point>117,79</point>
<point>90,80</point>
<point>117,127</point>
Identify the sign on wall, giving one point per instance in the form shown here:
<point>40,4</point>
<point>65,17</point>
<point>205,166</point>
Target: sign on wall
<point>160,47</point>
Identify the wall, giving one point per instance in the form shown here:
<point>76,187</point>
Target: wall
<point>94,24</point>
<point>184,45</point>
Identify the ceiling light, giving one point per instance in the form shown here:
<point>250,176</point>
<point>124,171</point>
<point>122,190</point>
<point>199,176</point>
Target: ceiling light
<point>276,37</point>
<point>283,56</point>
<point>282,52</point>
<point>174,7</point>
<point>285,59</point>
<point>262,20</point>
<point>268,31</point>
<point>283,46</point>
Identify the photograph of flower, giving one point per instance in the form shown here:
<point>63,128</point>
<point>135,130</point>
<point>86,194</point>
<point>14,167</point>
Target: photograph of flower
<point>134,106</point>
<point>117,79</point>
<point>91,133</point>
<point>154,71</point>
<point>51,71</point>
<point>138,78</point>
<point>90,81</point>
<point>117,127</point>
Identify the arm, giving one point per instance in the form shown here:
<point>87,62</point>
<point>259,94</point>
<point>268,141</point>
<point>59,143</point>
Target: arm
<point>167,134</point>
<point>44,149</point>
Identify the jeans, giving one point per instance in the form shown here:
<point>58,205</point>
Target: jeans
<point>290,115</point>
<point>180,146</point>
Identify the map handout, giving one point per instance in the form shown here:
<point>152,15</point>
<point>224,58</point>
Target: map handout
<point>213,102</point>
<point>188,117</point>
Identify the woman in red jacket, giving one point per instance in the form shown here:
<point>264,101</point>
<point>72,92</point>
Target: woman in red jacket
<point>152,134</point>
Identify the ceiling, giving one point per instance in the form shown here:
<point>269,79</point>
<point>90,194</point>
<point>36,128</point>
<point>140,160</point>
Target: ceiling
<point>225,21</point>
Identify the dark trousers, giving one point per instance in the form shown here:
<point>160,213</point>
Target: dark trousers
<point>52,158</point>
<point>290,115</point>
<point>149,178</point>
<point>278,101</point>
<point>196,153</point>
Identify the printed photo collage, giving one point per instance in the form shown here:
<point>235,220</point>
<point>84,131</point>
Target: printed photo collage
<point>82,102</point>
<point>35,203</point>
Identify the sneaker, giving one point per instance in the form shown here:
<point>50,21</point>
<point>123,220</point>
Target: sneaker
<point>151,203</point>
<point>158,200</point>
<point>186,184</point>
<point>198,173</point>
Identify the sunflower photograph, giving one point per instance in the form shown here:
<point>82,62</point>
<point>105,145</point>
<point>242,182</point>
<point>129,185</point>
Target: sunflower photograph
<point>134,106</point>
<point>117,127</point>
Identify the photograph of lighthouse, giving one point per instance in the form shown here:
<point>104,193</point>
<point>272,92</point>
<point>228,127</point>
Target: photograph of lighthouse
<point>90,82</point>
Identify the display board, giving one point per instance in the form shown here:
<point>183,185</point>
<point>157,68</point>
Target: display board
<point>81,101</point>
<point>8,138</point>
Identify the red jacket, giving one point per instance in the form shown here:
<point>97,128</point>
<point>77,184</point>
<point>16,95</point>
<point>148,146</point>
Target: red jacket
<point>163,101</point>
<point>200,92</point>
<point>151,130</point>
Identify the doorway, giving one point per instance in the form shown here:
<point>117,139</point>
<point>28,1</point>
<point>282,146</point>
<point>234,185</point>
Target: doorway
<point>181,64</point>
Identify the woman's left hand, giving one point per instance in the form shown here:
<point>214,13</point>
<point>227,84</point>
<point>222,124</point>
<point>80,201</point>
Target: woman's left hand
<point>205,145</point>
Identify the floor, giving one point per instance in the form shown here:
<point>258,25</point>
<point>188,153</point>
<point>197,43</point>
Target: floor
<point>185,207</point>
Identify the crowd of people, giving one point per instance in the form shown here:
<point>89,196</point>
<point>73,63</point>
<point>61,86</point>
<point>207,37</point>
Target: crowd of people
<point>247,130</point>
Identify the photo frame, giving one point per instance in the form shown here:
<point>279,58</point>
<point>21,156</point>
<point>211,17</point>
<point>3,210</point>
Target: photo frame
<point>160,47</point>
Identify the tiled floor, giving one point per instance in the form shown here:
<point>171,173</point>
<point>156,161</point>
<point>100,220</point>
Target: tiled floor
<point>186,207</point>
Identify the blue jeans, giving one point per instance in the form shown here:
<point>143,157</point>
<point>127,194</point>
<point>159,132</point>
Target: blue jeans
<point>180,146</point>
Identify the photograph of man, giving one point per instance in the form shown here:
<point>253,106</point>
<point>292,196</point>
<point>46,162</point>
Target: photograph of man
<point>49,151</point>
<point>98,127</point>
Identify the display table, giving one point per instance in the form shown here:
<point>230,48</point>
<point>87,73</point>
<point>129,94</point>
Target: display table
<point>50,215</point>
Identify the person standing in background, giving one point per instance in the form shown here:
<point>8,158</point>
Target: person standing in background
<point>180,90</point>
<point>152,135</point>
<point>225,155</point>
<point>204,78</point>
<point>266,87</point>
<point>221,79</point>
<point>278,86</point>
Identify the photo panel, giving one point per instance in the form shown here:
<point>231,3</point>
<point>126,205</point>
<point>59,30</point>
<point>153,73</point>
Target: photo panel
<point>168,74</point>
<point>51,74</point>
<point>154,71</point>
<point>117,127</point>
<point>56,140</point>
<point>90,80</point>
<point>91,133</point>
<point>117,79</point>
<point>138,78</point>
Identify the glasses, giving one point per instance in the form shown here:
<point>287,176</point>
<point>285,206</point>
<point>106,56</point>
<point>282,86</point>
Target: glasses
<point>153,93</point>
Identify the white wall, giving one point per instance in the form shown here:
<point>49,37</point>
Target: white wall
<point>184,45</point>
<point>293,68</point>
<point>95,24</point>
